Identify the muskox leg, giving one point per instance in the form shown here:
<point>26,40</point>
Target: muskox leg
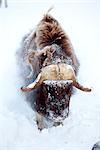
<point>40,121</point>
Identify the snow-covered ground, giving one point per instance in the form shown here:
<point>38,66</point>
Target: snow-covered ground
<point>18,130</point>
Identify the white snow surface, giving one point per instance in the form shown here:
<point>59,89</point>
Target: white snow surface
<point>18,130</point>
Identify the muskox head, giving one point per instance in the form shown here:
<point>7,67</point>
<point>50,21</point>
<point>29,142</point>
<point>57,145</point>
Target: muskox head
<point>57,81</point>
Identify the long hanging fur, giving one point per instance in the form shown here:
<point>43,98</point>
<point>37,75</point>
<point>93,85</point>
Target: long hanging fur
<point>47,32</point>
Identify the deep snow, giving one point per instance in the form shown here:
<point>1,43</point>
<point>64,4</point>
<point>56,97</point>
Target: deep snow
<point>18,130</point>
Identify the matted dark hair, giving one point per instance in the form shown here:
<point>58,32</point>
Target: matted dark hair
<point>47,32</point>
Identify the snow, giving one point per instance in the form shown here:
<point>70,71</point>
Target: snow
<point>58,82</point>
<point>18,130</point>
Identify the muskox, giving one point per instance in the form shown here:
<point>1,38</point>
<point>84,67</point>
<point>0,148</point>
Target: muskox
<point>49,68</point>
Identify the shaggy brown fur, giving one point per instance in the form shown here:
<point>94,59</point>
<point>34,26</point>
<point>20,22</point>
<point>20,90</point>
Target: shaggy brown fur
<point>49,34</point>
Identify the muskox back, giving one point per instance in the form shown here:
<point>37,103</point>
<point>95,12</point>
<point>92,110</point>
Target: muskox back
<point>49,32</point>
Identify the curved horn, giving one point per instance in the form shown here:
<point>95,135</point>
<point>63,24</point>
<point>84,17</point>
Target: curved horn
<point>79,86</point>
<point>33,85</point>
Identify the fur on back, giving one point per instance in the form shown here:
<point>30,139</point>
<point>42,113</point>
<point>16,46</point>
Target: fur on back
<point>49,32</point>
